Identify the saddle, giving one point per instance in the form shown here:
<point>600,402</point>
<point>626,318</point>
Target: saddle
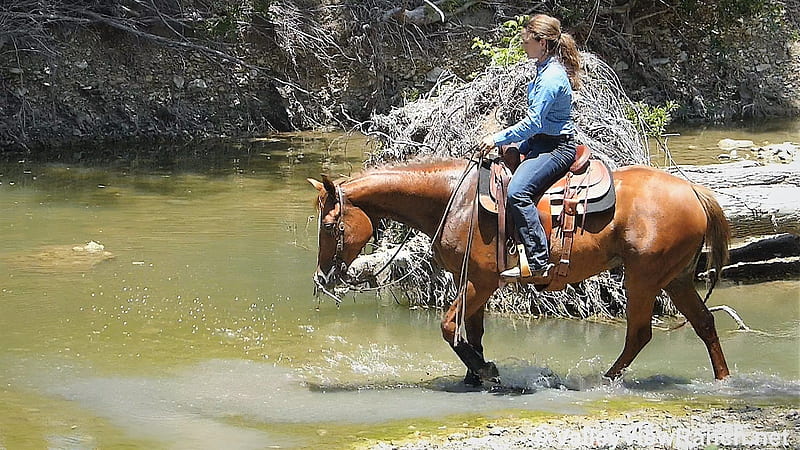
<point>587,188</point>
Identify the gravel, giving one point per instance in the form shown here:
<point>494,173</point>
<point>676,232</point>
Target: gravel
<point>774,427</point>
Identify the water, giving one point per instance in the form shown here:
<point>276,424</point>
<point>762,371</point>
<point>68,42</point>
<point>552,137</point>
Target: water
<point>200,329</point>
<point>698,145</point>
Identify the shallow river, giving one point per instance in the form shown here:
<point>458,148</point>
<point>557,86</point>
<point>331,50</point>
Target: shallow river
<point>198,328</point>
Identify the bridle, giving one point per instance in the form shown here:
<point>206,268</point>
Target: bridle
<point>338,265</point>
<point>338,233</point>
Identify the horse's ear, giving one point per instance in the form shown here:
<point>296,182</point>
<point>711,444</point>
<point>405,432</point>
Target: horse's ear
<point>317,185</point>
<point>329,186</point>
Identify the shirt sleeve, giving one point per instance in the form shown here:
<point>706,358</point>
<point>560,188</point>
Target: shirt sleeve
<point>540,99</point>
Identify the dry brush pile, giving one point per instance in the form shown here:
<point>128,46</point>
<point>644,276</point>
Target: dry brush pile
<point>447,123</point>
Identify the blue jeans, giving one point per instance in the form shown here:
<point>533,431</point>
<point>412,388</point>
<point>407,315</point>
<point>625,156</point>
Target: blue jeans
<point>548,160</point>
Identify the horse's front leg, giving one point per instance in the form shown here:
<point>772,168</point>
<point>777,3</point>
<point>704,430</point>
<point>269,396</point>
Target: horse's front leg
<point>474,339</point>
<point>470,351</point>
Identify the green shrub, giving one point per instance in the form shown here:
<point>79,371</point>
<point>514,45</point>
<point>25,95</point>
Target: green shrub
<point>654,118</point>
<point>509,50</point>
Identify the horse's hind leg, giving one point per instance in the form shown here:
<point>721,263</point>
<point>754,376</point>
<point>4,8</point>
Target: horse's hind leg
<point>685,297</point>
<point>639,311</point>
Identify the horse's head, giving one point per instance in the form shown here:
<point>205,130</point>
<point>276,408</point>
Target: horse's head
<point>344,229</point>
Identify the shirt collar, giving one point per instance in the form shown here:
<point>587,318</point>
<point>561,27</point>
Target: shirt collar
<point>545,63</point>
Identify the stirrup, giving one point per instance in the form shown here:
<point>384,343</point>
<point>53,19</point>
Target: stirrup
<point>524,267</point>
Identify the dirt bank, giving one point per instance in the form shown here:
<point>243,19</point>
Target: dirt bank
<point>773,427</point>
<point>91,73</point>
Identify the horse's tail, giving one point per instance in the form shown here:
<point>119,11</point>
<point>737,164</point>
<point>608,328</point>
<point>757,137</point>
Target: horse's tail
<point>718,234</point>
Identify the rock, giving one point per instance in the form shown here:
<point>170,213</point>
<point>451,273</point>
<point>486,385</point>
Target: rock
<point>90,247</point>
<point>433,75</point>
<point>82,64</point>
<point>198,83</point>
<point>785,152</point>
<point>786,147</point>
<point>730,144</point>
<point>61,258</point>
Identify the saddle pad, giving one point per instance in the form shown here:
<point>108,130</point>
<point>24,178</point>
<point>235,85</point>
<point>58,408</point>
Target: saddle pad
<point>590,205</point>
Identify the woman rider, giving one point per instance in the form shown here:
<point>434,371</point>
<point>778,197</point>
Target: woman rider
<point>545,136</point>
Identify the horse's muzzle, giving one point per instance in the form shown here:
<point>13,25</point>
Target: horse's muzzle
<point>327,280</point>
<point>325,283</point>
<point>322,279</point>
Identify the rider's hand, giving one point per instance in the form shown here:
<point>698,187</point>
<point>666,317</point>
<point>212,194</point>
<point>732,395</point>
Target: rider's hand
<point>487,144</point>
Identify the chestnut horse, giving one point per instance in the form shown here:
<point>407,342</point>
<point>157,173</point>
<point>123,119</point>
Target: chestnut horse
<point>656,232</point>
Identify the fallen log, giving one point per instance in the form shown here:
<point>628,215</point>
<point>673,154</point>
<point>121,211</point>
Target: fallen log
<point>764,259</point>
<point>761,271</point>
<point>758,199</point>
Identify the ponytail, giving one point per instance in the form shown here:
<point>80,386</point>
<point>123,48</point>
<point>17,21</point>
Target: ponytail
<point>570,58</point>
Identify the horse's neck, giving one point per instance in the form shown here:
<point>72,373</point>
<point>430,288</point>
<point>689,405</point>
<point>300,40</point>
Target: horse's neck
<point>413,196</point>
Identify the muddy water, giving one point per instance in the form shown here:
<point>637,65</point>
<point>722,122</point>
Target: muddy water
<point>698,145</point>
<point>199,328</point>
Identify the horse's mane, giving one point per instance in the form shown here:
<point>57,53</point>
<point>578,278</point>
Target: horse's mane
<point>423,164</point>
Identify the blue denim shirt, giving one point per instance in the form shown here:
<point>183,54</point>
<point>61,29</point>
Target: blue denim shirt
<point>549,107</point>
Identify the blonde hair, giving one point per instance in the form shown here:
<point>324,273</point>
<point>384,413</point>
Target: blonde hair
<point>562,45</point>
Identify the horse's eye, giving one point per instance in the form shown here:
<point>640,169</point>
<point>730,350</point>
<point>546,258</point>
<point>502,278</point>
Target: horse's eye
<point>329,226</point>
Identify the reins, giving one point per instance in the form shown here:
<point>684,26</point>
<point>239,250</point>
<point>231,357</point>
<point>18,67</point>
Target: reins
<point>461,311</point>
<point>405,240</point>
<point>452,198</point>
<point>338,260</point>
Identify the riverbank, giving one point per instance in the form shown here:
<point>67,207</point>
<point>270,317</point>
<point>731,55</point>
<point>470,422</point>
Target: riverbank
<point>745,426</point>
<point>81,75</point>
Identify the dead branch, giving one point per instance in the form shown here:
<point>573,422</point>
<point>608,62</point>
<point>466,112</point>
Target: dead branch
<point>734,315</point>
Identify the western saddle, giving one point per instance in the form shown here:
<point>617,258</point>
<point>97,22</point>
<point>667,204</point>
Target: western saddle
<point>587,188</point>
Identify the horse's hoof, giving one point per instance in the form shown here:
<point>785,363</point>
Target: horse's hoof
<point>472,379</point>
<point>611,380</point>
